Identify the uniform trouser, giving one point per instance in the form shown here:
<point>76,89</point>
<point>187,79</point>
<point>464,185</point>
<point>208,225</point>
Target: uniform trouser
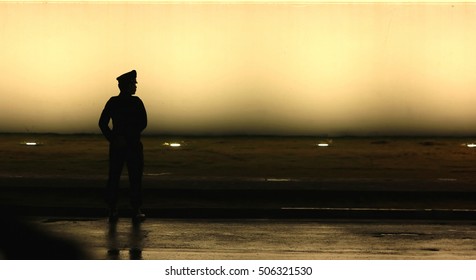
<point>133,156</point>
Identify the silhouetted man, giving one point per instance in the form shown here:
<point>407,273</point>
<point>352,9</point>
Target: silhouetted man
<point>129,119</point>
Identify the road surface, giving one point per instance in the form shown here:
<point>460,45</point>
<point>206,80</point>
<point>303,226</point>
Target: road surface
<point>259,239</point>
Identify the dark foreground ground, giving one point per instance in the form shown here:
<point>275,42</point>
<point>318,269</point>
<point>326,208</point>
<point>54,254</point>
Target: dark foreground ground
<point>246,198</point>
<point>268,239</point>
<point>247,177</point>
<point>254,198</point>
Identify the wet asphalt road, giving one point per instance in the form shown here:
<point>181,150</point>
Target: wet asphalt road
<point>258,239</point>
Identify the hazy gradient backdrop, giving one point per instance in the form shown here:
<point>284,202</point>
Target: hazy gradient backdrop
<point>269,68</point>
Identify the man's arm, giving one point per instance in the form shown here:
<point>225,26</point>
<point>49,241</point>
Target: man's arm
<point>143,117</point>
<point>104,122</point>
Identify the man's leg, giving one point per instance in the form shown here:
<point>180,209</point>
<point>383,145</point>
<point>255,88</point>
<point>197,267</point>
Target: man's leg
<point>116,162</point>
<point>135,166</point>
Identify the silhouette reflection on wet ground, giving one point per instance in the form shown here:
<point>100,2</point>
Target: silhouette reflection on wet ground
<point>118,243</point>
<point>266,239</point>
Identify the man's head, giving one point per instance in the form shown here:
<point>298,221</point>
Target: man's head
<point>127,82</point>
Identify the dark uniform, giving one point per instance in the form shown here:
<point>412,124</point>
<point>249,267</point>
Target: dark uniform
<point>129,119</point>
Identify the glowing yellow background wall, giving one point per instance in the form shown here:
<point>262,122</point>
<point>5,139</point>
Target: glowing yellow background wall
<point>254,68</point>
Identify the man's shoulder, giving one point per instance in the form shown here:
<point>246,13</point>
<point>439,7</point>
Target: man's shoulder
<point>126,99</point>
<point>121,101</point>
<point>137,99</point>
<point>113,98</point>
<point>119,98</point>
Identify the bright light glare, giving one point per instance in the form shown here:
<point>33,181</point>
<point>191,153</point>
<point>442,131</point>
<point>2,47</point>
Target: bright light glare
<point>175,145</point>
<point>30,143</point>
<point>472,145</point>
<point>323,145</point>
<point>278,180</point>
